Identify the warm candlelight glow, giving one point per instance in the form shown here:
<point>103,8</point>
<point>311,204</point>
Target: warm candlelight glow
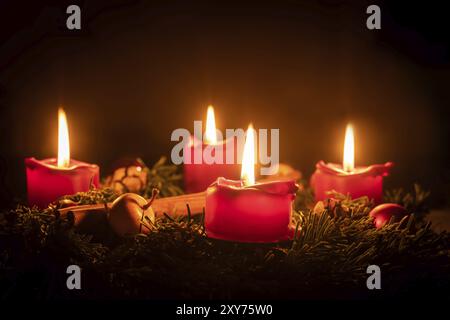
<point>63,140</point>
<point>349,150</point>
<point>210,134</point>
<point>248,158</point>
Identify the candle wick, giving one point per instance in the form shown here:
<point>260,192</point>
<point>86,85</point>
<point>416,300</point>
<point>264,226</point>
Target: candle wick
<point>65,164</point>
<point>246,181</point>
<point>348,169</point>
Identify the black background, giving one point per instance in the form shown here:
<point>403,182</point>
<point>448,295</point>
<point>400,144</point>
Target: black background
<point>139,69</point>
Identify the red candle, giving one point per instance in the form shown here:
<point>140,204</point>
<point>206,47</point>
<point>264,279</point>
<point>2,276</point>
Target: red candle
<point>198,176</point>
<point>246,211</point>
<point>49,179</point>
<point>348,179</point>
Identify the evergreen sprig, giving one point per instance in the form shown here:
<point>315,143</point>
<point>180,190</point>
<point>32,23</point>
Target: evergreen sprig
<point>93,196</point>
<point>165,177</point>
<point>413,201</point>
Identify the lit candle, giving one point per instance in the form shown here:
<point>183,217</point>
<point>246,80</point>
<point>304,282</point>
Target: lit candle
<point>246,211</point>
<point>348,179</point>
<point>198,176</point>
<point>51,178</point>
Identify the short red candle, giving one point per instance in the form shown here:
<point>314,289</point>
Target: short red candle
<point>198,174</point>
<point>348,179</point>
<point>46,182</point>
<point>362,181</point>
<point>256,213</point>
<point>197,177</point>
<point>49,179</point>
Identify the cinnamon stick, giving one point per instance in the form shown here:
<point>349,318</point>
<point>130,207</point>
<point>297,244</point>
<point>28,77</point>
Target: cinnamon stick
<point>173,206</point>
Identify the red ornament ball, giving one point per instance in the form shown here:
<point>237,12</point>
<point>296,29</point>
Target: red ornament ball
<point>383,213</point>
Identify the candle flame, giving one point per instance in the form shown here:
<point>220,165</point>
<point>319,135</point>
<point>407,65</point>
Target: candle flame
<point>63,140</point>
<point>349,150</point>
<point>210,133</point>
<point>248,158</point>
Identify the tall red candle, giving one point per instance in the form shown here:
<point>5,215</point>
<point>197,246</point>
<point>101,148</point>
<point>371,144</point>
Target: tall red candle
<point>246,211</point>
<point>49,179</point>
<point>198,174</point>
<point>348,179</point>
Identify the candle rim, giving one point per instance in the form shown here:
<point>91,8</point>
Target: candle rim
<point>371,170</point>
<point>52,164</point>
<point>268,187</point>
<point>195,141</point>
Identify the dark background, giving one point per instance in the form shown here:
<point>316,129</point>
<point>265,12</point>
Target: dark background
<point>139,69</point>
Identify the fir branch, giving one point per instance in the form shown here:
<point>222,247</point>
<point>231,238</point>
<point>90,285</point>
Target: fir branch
<point>93,196</point>
<point>176,259</point>
<point>165,177</point>
<point>415,201</point>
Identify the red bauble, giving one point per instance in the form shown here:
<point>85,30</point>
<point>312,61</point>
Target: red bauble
<point>383,213</point>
